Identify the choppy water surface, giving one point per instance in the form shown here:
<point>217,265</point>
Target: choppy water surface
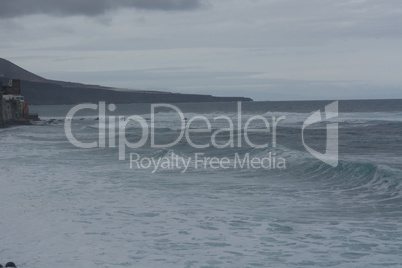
<point>63,206</point>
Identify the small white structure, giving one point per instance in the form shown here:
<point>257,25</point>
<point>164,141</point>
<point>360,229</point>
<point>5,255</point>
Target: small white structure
<point>13,97</point>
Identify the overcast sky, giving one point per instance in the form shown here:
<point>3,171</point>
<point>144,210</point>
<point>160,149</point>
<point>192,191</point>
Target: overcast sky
<point>263,49</point>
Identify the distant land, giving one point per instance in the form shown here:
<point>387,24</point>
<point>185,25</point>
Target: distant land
<point>41,91</point>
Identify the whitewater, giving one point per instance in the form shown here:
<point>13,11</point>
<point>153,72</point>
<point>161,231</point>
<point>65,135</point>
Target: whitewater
<point>64,206</point>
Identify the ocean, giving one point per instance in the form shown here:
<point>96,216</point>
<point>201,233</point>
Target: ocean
<point>204,185</point>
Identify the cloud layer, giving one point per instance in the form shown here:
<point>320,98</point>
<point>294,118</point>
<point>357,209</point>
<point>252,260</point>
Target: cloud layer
<point>10,9</point>
<point>264,49</point>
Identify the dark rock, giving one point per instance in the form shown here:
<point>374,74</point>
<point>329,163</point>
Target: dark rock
<point>11,264</point>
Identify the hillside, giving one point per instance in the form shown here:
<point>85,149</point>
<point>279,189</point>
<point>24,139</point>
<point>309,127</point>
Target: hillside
<point>41,91</point>
<point>10,70</point>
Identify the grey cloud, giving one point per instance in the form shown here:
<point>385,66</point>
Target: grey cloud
<point>10,9</point>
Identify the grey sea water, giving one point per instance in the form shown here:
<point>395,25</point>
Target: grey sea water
<point>63,206</point>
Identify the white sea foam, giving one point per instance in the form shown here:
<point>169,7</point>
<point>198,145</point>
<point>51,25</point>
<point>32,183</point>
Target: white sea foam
<point>62,206</point>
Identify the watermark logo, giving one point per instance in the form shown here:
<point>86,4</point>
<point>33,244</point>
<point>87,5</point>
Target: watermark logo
<point>331,154</point>
<point>237,131</point>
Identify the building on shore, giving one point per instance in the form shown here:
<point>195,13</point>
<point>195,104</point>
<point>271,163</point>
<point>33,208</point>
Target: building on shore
<point>14,109</point>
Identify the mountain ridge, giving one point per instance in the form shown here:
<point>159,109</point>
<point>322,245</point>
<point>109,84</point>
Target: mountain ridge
<point>11,70</point>
<point>41,91</point>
